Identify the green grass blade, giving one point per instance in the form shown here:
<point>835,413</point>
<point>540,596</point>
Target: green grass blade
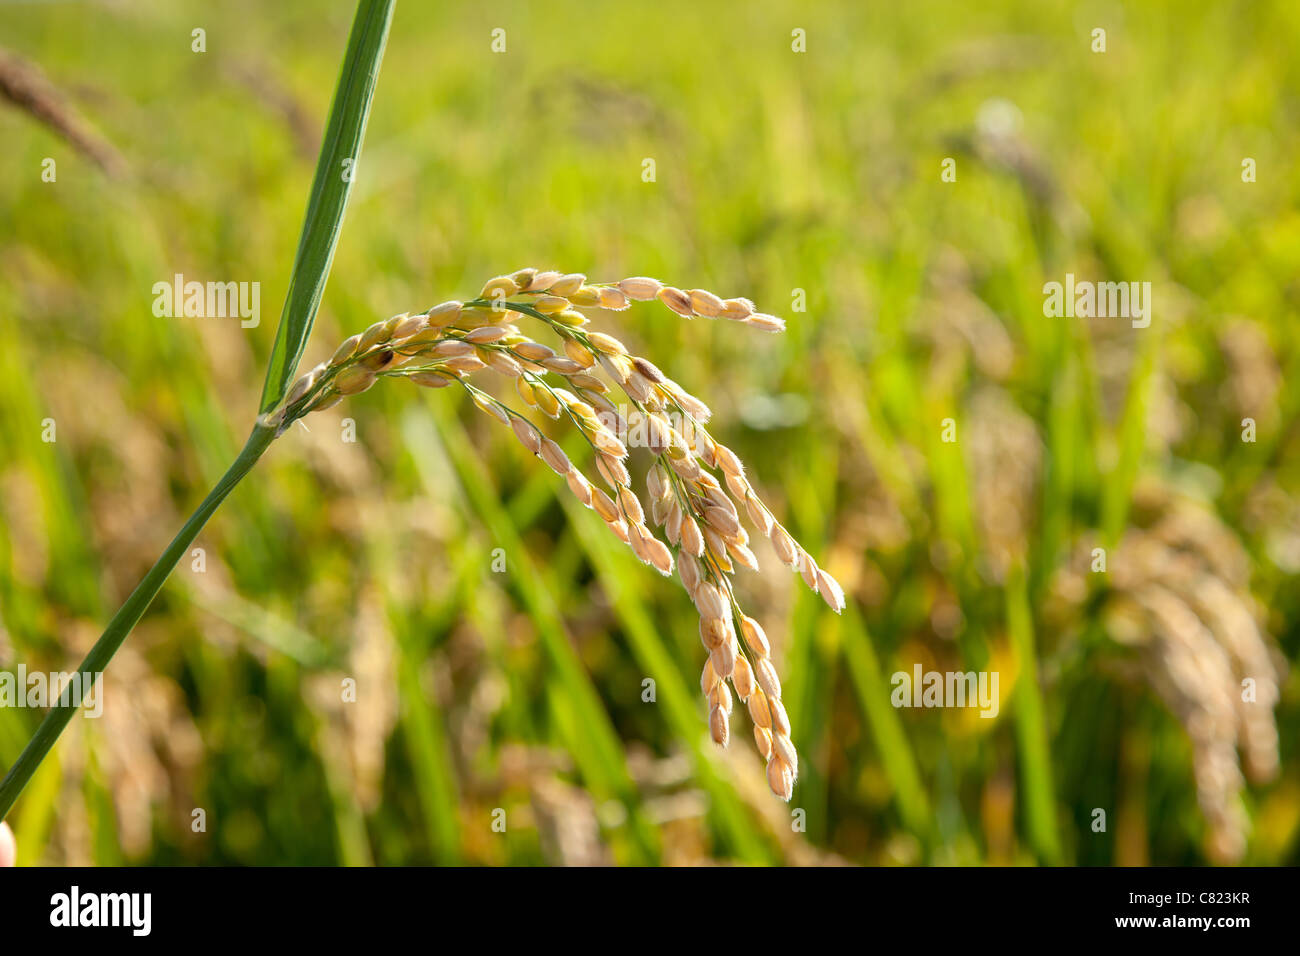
<point>335,172</point>
<point>430,755</point>
<point>1118,490</point>
<point>873,690</point>
<point>1031,724</point>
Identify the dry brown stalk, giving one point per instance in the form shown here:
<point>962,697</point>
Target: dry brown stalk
<point>26,86</point>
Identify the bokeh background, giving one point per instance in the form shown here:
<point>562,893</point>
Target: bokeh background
<point>776,171</point>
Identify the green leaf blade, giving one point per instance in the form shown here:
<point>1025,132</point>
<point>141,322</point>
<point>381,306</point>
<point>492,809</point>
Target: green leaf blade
<point>335,173</point>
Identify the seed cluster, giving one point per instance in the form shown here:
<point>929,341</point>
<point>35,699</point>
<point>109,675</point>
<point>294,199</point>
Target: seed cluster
<point>1179,596</point>
<point>696,488</point>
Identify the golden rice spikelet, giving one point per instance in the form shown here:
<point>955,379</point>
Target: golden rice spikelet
<point>610,297</point>
<point>707,678</point>
<point>765,323</point>
<point>353,380</point>
<point>541,281</point>
<point>579,353</point>
<point>570,317</point>
<point>550,304</point>
<point>719,726</point>
<point>724,658</point>
<point>579,485</point>
<point>409,325</point>
<point>759,712</point>
<point>587,296</point>
<point>742,678</point>
<point>444,314</point>
<point>499,288</point>
<point>606,344</point>
<point>568,284</point>
<point>433,379</point>
<point>640,288</point>
<point>533,351</point>
<point>705,303</point>
<point>375,335</point>
<point>737,309</point>
<point>528,436</point>
<point>346,350</point>
<point>780,777</point>
<point>677,300</point>
<point>553,455</point>
<point>300,388</point>
<point>486,333</point>
<point>697,490</point>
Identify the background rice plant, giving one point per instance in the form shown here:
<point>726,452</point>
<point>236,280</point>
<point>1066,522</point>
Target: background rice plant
<point>522,690</point>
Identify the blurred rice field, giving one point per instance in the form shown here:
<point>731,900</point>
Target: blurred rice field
<point>516,696</point>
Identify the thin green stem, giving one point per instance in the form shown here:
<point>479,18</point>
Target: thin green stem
<point>1032,735</point>
<point>125,619</point>
<point>335,168</point>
